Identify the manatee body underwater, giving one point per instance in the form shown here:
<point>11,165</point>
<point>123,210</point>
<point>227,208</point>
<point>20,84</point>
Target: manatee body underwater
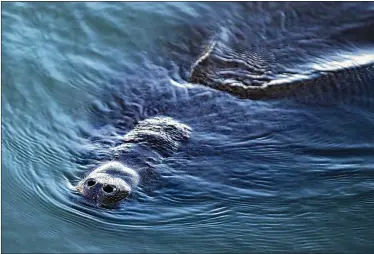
<point>293,59</point>
<point>247,75</point>
<point>113,181</point>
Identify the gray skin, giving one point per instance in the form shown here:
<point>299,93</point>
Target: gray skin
<point>114,181</point>
<point>248,75</point>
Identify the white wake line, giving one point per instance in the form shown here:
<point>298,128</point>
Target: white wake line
<point>344,61</point>
<point>339,62</point>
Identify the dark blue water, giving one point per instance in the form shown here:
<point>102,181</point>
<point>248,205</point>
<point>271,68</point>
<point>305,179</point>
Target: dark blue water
<point>287,175</point>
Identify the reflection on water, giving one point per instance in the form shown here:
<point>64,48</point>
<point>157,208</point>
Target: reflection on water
<point>264,175</point>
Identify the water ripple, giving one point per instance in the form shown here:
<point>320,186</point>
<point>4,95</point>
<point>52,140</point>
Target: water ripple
<point>275,176</point>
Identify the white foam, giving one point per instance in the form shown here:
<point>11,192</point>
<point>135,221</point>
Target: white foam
<point>343,61</point>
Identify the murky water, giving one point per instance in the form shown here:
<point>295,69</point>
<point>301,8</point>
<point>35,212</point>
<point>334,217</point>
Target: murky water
<point>256,175</point>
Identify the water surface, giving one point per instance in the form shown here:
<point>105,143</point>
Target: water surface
<point>256,176</point>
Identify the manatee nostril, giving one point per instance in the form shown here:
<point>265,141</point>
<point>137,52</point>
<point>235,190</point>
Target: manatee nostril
<point>91,183</point>
<point>108,188</point>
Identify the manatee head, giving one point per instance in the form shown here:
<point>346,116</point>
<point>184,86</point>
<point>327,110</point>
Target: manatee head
<point>104,189</point>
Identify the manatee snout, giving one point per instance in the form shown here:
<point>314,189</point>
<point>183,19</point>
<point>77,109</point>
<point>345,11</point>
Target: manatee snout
<point>104,189</point>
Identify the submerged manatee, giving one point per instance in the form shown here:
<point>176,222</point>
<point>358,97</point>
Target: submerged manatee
<point>113,181</point>
<point>280,50</point>
<point>253,74</point>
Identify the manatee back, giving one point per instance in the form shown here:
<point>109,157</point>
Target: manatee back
<point>255,73</point>
<point>162,134</point>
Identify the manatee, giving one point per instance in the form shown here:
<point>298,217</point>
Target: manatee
<point>263,51</point>
<point>252,74</point>
<point>151,139</point>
